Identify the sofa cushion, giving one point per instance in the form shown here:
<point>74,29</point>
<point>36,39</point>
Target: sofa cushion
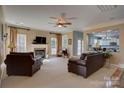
<point>83,56</point>
<point>77,61</point>
<point>73,59</point>
<point>23,53</point>
<point>81,62</point>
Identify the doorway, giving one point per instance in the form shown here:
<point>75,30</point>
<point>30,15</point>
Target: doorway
<point>53,46</point>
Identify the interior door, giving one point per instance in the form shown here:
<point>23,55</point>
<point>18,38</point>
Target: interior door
<point>53,46</point>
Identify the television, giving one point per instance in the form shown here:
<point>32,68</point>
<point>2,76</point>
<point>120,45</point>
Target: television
<point>40,40</point>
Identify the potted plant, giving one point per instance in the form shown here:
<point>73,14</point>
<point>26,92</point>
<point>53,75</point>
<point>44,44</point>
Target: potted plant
<point>107,56</point>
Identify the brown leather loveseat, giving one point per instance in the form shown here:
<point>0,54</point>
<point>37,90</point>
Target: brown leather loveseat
<point>22,64</point>
<point>87,64</point>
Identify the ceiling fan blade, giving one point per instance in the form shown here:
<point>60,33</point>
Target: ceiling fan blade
<point>72,18</point>
<point>68,23</point>
<point>53,18</point>
<point>51,23</point>
<point>62,21</point>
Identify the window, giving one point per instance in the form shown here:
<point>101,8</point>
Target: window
<point>64,41</point>
<point>53,46</point>
<point>82,46</point>
<point>108,40</point>
<point>21,43</point>
<point>79,48</point>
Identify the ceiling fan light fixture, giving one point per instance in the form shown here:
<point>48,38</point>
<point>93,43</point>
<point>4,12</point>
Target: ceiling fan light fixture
<point>59,25</point>
<point>62,21</point>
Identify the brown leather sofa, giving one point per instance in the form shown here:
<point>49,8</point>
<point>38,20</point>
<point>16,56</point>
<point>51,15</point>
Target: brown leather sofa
<point>87,64</point>
<point>22,64</point>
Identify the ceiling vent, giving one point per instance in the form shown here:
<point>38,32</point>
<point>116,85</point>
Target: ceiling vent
<point>105,8</point>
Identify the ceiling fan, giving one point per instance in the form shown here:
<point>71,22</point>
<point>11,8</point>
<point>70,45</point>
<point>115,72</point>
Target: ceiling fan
<point>62,20</point>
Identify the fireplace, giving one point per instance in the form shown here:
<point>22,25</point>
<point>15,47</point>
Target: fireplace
<point>41,52</point>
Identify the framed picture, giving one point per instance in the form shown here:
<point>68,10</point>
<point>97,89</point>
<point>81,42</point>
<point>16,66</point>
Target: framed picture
<point>69,41</point>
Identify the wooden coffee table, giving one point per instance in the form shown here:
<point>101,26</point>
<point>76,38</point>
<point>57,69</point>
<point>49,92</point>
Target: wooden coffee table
<point>116,80</point>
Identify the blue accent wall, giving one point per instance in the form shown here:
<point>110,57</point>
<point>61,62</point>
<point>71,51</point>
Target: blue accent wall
<point>76,36</point>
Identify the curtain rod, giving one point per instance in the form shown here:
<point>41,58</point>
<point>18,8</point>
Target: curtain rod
<point>19,27</point>
<point>55,33</point>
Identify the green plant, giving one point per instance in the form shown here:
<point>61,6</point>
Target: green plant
<point>107,55</point>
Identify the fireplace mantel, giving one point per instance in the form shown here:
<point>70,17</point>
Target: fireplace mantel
<point>39,46</point>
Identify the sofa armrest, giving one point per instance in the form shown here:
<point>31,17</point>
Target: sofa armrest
<point>38,59</point>
<point>81,62</point>
<point>77,61</point>
<point>73,59</point>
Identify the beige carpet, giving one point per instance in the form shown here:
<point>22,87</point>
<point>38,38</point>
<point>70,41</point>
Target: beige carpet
<point>54,74</point>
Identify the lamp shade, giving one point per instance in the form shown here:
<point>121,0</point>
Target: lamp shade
<point>11,45</point>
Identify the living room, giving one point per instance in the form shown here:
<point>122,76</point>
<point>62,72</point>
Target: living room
<point>59,46</point>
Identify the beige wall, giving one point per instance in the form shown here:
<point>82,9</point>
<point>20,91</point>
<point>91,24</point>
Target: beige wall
<point>31,35</point>
<point>2,43</point>
<point>117,57</point>
<point>70,47</point>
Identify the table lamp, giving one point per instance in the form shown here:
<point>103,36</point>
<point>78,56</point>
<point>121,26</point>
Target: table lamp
<point>11,46</point>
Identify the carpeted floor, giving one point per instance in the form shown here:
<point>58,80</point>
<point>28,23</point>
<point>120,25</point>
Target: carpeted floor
<point>54,74</point>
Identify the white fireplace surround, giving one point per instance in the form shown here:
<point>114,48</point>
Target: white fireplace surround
<point>40,47</point>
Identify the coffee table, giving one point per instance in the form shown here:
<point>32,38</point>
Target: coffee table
<point>116,80</point>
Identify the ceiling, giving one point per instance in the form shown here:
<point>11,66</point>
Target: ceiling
<point>37,16</point>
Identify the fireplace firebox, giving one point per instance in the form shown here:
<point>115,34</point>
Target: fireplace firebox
<point>40,52</point>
